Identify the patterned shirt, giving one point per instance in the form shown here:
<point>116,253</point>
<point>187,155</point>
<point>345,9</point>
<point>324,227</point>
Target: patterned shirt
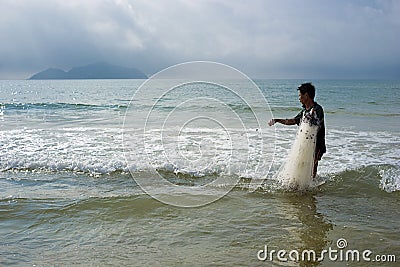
<point>319,112</point>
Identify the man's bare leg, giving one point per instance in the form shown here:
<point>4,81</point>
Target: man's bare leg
<point>315,168</point>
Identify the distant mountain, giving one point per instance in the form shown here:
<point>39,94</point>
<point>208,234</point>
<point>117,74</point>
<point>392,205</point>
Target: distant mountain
<point>51,73</point>
<point>99,70</point>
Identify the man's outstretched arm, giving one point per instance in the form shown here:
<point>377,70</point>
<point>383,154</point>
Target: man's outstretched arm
<point>282,121</point>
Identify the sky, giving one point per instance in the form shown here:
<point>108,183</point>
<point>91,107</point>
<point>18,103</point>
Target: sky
<point>318,39</point>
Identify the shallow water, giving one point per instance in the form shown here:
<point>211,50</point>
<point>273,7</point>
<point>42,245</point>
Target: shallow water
<point>67,196</point>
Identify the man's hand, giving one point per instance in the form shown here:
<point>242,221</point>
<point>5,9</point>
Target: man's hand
<point>271,122</point>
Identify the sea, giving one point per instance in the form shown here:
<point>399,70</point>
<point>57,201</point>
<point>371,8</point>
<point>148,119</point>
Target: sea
<point>133,173</point>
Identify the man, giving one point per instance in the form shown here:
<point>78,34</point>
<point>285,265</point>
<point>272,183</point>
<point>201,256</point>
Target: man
<point>306,97</point>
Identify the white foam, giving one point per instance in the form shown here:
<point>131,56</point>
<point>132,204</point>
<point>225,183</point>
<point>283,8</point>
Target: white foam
<point>99,151</point>
<point>88,150</point>
<point>390,181</point>
<point>349,150</point>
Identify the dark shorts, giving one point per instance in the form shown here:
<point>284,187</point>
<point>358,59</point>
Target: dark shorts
<point>319,151</point>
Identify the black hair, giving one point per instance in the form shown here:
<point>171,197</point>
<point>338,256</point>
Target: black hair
<point>307,88</point>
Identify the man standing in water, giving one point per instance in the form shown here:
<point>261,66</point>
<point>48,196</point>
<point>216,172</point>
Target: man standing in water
<point>306,98</point>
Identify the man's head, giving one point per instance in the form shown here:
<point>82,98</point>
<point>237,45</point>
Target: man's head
<point>306,93</point>
<point>307,88</point>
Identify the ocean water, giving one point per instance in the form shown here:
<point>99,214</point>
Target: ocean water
<point>91,174</point>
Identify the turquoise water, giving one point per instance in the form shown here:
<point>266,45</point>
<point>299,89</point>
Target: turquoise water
<point>67,196</point>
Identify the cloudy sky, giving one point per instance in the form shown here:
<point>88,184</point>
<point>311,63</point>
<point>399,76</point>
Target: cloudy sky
<point>264,39</point>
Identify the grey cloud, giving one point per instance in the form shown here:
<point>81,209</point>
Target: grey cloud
<point>261,38</point>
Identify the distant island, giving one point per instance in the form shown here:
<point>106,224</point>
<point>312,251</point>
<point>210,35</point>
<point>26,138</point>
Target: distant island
<point>100,70</point>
